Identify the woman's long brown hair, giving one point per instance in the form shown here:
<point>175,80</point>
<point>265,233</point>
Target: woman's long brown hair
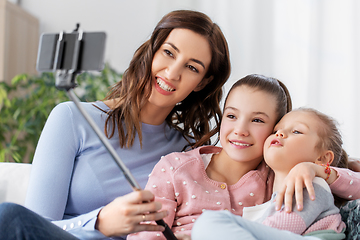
<point>191,116</point>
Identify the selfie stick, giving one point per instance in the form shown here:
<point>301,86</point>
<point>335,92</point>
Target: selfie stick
<point>65,80</point>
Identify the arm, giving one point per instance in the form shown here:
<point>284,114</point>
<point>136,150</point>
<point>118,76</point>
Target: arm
<point>53,169</point>
<point>342,182</point>
<point>354,164</point>
<point>52,165</point>
<point>346,185</point>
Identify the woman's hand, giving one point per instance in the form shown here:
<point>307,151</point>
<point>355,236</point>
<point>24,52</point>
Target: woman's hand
<point>126,214</point>
<point>181,236</point>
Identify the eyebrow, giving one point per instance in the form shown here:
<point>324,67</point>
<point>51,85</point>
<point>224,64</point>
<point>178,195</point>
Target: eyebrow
<point>255,113</point>
<point>192,59</point>
<point>261,113</point>
<point>304,124</point>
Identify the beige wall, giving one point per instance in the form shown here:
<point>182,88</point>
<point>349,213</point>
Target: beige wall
<point>19,37</point>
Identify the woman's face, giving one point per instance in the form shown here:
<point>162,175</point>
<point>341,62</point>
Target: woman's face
<point>178,67</point>
<point>249,118</point>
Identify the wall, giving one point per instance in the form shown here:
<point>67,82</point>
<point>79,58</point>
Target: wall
<point>19,37</point>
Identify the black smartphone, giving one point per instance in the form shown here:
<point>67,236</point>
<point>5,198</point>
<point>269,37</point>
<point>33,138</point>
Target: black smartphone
<point>80,51</point>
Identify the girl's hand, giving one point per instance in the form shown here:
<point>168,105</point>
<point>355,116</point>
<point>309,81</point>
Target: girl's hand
<point>354,164</point>
<point>181,236</point>
<point>300,176</point>
<point>126,214</point>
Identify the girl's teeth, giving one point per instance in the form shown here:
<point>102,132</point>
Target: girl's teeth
<point>240,144</point>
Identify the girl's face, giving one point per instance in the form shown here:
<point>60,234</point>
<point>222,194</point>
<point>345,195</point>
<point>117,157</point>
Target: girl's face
<point>294,140</point>
<point>249,118</point>
<point>179,67</point>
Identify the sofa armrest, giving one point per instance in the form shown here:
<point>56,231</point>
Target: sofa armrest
<point>14,179</point>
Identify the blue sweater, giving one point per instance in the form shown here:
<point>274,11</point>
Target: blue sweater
<point>73,175</point>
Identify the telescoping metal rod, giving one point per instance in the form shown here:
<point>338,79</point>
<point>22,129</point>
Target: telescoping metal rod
<point>130,178</point>
<point>132,181</point>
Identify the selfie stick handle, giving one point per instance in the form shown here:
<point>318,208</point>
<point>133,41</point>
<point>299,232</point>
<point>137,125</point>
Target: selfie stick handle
<point>65,79</point>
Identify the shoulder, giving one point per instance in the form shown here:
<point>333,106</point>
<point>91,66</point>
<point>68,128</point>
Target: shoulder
<point>324,198</point>
<point>70,105</point>
<point>69,109</point>
<point>178,160</point>
<point>64,106</point>
<point>321,183</point>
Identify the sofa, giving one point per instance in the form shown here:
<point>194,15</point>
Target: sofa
<point>14,178</point>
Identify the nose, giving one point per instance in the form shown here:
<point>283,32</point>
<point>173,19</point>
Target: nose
<point>173,71</point>
<point>280,134</point>
<point>241,130</point>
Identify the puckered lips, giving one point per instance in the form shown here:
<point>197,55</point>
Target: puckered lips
<point>163,87</point>
<point>275,142</point>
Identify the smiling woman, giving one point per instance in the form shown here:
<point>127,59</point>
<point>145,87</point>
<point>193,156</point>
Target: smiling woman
<point>164,103</point>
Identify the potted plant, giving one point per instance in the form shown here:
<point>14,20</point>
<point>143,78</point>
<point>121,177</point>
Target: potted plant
<point>26,103</point>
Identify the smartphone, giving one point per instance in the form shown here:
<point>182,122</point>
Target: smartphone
<point>80,51</point>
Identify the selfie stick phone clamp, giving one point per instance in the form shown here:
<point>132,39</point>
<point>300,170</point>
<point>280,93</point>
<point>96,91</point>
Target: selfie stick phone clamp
<point>65,80</point>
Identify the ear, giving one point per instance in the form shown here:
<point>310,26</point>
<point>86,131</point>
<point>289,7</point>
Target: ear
<point>326,157</point>
<point>203,83</point>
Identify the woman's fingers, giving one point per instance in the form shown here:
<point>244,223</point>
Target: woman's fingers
<point>152,216</point>
<point>181,236</point>
<point>129,213</point>
<point>139,202</point>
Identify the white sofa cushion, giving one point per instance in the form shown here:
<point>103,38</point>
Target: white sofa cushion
<point>14,179</point>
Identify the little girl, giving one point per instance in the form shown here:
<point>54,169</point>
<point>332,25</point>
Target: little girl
<point>301,136</point>
<point>232,177</point>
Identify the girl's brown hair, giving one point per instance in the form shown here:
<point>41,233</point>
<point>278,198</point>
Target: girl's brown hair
<point>191,116</point>
<point>269,85</point>
<point>330,137</point>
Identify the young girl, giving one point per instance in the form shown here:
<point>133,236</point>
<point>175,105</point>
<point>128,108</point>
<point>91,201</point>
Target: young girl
<point>228,178</point>
<point>165,101</point>
<point>301,136</point>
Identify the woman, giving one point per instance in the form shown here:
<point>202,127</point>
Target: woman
<point>165,101</point>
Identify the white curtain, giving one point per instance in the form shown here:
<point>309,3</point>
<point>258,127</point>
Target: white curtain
<point>313,46</point>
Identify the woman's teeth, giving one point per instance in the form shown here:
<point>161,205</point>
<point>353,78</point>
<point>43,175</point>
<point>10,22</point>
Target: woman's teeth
<point>164,86</point>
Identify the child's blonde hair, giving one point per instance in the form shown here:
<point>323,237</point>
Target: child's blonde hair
<point>330,137</point>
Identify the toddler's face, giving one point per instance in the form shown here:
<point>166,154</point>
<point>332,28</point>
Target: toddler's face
<point>294,140</point>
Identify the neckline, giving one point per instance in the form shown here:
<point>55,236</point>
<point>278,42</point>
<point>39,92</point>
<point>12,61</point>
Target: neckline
<point>145,127</point>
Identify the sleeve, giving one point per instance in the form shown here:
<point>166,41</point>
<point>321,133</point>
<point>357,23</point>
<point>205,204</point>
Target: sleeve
<point>347,184</point>
<point>52,169</point>
<point>161,184</point>
<point>82,226</point>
